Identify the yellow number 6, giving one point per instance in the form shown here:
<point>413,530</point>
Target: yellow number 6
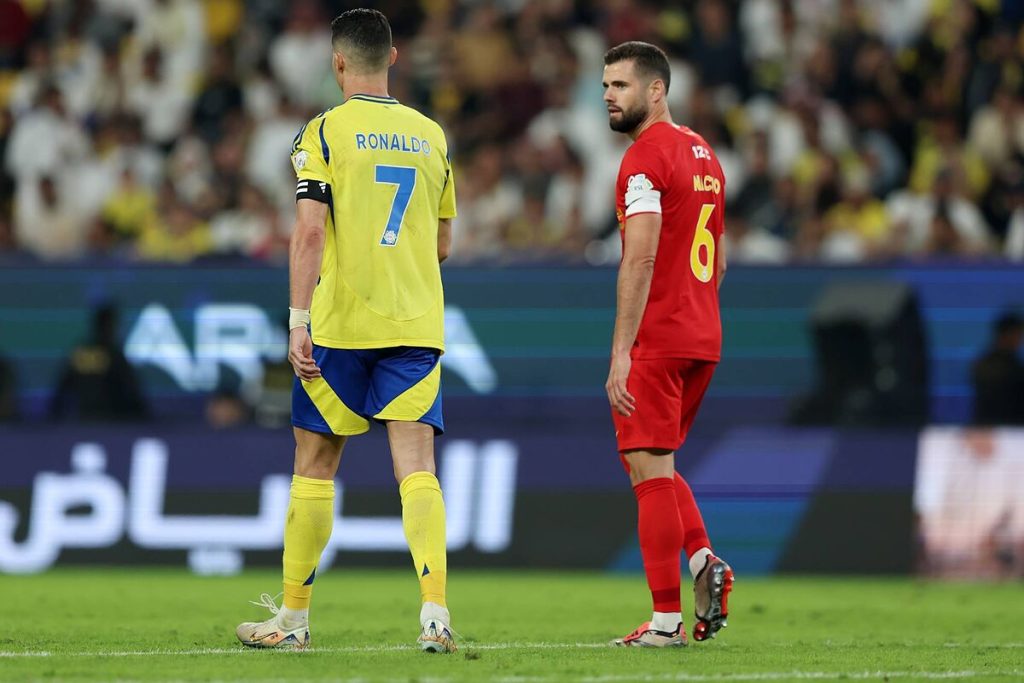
<point>702,237</point>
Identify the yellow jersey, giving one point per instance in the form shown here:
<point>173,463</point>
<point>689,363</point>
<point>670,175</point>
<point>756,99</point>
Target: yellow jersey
<point>383,168</point>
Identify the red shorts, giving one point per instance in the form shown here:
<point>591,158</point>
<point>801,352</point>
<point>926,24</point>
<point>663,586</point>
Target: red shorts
<point>668,392</point>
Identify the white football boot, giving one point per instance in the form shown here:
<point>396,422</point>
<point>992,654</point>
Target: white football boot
<point>435,634</point>
<point>272,633</point>
<point>646,636</point>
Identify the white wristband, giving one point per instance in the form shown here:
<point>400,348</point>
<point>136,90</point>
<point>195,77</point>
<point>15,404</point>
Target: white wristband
<point>297,317</point>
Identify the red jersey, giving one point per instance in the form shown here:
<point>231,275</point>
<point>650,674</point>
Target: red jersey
<point>671,170</point>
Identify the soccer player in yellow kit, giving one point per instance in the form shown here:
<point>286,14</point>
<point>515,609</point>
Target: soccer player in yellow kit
<point>375,200</point>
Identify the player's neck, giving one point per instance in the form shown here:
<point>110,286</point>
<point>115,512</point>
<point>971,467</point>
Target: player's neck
<point>656,115</point>
<point>376,86</point>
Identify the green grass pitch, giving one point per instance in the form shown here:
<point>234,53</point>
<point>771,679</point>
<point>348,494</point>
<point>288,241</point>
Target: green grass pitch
<point>516,627</point>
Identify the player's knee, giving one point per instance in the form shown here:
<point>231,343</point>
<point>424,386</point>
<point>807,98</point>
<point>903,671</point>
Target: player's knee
<point>315,468</point>
<point>317,461</point>
<point>640,475</point>
<point>644,465</point>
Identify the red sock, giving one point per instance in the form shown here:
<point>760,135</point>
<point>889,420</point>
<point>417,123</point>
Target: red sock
<point>661,539</point>
<point>695,536</point>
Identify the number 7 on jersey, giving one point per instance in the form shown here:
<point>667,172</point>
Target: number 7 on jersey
<point>404,177</point>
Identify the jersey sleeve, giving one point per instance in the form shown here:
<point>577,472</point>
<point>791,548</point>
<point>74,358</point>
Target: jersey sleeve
<point>446,208</point>
<point>642,180</point>
<point>311,160</point>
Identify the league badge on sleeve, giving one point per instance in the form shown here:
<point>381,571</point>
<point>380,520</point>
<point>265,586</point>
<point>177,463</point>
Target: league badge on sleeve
<point>639,183</point>
<point>299,160</point>
<point>641,197</point>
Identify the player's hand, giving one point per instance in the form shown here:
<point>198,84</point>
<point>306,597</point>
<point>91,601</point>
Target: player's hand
<point>300,354</point>
<point>618,396</point>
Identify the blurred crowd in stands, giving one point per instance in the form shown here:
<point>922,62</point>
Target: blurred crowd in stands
<point>849,130</point>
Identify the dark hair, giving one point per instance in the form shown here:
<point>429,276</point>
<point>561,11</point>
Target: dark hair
<point>648,60</point>
<point>366,34</point>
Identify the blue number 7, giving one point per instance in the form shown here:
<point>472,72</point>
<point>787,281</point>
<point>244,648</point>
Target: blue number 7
<point>405,178</point>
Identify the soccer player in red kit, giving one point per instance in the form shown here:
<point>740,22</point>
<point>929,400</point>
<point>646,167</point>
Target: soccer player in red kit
<point>670,199</point>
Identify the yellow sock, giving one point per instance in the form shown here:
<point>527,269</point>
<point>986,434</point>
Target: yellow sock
<point>306,532</point>
<point>423,520</point>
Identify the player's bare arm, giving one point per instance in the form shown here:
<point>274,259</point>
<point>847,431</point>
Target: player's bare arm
<point>722,262</point>
<point>635,273</point>
<point>304,257</point>
<point>444,239</point>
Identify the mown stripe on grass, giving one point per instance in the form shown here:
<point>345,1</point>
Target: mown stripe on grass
<point>682,677</point>
<point>776,676</point>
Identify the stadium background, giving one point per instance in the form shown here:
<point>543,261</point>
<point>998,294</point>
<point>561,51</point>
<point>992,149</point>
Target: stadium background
<point>874,152</point>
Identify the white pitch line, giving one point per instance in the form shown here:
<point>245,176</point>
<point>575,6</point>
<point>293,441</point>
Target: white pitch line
<point>399,648</point>
<point>334,650</point>
<point>391,648</point>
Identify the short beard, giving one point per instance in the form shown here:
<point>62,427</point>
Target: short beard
<point>629,121</point>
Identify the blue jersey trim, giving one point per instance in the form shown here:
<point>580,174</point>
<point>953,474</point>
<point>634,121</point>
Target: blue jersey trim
<point>323,144</point>
<point>298,138</point>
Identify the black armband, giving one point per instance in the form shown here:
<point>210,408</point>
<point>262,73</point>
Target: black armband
<point>313,189</point>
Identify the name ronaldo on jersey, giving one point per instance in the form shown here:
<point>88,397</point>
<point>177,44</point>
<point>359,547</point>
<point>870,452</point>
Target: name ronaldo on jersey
<point>393,142</point>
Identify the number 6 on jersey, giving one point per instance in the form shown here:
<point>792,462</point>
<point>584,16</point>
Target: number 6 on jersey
<point>404,177</point>
<point>702,237</point>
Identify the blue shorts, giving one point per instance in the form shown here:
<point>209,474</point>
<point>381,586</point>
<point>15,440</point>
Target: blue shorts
<point>357,385</point>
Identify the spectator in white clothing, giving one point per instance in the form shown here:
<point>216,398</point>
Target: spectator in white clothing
<point>45,140</point>
<point>297,56</point>
<point>45,223</point>
<point>158,100</point>
<point>913,218</point>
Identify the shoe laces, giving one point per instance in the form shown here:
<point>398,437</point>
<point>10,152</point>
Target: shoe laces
<point>268,602</point>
